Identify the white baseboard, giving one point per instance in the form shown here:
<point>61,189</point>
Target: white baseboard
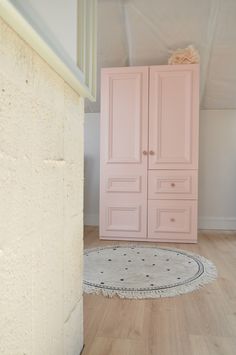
<point>91,219</point>
<point>226,223</point>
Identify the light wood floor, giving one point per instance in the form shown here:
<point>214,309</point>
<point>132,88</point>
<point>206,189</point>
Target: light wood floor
<point>198,323</point>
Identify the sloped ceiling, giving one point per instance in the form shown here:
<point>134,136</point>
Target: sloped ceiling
<point>144,32</point>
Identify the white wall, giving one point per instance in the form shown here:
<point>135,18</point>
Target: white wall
<point>91,165</point>
<point>55,19</point>
<point>41,205</point>
<point>217,180</point>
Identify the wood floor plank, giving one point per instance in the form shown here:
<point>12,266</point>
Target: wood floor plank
<point>128,322</point>
<point>197,323</point>
<point>116,346</point>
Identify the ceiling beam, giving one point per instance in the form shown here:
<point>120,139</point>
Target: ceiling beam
<point>210,36</point>
<point>127,33</point>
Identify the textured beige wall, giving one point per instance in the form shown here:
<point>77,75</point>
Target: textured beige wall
<point>41,209</point>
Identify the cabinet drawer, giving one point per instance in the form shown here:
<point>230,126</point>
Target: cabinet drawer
<point>172,220</point>
<point>172,184</point>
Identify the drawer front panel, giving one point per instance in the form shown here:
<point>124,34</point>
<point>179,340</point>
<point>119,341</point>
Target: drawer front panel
<point>172,219</point>
<point>124,184</point>
<point>170,184</point>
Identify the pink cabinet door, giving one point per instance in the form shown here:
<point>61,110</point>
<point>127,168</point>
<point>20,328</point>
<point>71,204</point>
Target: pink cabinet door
<point>173,117</point>
<point>124,142</point>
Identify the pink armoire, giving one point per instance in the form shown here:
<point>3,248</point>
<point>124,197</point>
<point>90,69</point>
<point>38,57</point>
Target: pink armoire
<point>149,153</point>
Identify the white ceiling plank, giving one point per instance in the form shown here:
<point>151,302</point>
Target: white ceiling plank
<point>220,90</point>
<point>210,35</point>
<point>127,32</point>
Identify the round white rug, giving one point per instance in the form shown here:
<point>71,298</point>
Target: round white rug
<point>144,272</point>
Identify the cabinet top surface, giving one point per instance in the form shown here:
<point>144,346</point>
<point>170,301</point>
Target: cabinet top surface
<point>160,67</point>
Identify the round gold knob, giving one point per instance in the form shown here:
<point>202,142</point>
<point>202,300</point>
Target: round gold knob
<point>173,184</point>
<point>172,219</point>
<point>151,152</point>
<point>144,152</point>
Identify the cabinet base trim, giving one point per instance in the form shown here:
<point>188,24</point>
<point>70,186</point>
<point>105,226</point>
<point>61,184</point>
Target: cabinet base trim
<point>152,240</point>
